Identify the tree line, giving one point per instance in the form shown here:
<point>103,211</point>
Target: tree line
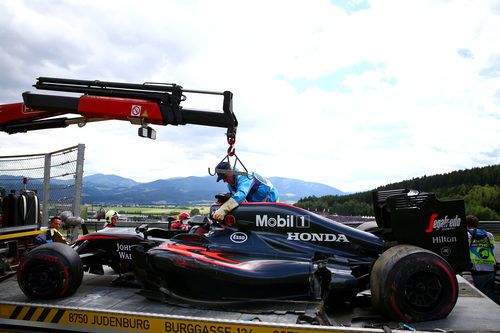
<point>479,187</point>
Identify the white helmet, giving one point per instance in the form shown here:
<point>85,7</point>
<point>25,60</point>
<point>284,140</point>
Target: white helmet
<point>110,214</point>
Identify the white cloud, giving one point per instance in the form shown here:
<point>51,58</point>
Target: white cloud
<point>414,106</point>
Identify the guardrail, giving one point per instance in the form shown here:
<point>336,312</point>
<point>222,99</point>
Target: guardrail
<point>491,226</point>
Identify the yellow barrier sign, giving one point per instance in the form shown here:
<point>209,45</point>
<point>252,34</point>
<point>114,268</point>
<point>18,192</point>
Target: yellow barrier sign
<point>82,319</point>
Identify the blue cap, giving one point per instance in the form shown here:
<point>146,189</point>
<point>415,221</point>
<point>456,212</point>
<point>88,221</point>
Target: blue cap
<point>223,166</point>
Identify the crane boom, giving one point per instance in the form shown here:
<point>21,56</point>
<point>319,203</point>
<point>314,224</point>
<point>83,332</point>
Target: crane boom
<point>141,104</point>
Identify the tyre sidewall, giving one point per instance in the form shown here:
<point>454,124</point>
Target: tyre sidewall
<point>401,265</point>
<point>52,270</point>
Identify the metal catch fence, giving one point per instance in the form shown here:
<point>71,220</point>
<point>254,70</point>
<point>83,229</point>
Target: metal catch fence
<point>56,177</point>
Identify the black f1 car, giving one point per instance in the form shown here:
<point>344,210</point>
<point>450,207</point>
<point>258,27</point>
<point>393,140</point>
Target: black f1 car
<point>55,270</point>
<point>261,250</point>
<point>273,251</point>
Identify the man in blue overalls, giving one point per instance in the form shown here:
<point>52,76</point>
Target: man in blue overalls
<point>251,188</point>
<point>482,247</point>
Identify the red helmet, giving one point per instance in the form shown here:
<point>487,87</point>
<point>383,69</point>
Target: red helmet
<point>184,216</point>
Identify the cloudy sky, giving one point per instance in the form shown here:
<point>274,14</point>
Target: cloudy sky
<point>353,94</point>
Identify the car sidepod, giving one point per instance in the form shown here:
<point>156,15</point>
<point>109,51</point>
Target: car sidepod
<point>271,251</point>
<point>194,271</point>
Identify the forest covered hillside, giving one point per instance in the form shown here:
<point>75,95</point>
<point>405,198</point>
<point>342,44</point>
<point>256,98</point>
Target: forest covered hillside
<point>479,187</point>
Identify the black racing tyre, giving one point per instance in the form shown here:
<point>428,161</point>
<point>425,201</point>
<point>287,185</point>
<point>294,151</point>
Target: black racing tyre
<point>412,284</point>
<point>52,270</point>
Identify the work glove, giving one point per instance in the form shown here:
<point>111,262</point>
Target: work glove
<point>57,237</point>
<point>228,206</point>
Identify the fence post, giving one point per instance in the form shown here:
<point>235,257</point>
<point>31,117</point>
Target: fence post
<point>46,190</point>
<point>77,194</point>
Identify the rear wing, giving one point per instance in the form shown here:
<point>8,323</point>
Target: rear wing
<point>418,218</point>
<point>141,104</point>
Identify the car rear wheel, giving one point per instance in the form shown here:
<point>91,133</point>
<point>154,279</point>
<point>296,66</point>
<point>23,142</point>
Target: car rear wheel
<point>413,284</point>
<point>52,270</point>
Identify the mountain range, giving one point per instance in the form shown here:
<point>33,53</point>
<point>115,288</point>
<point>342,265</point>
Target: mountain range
<point>100,188</point>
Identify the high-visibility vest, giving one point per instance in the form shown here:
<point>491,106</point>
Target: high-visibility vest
<point>481,251</point>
